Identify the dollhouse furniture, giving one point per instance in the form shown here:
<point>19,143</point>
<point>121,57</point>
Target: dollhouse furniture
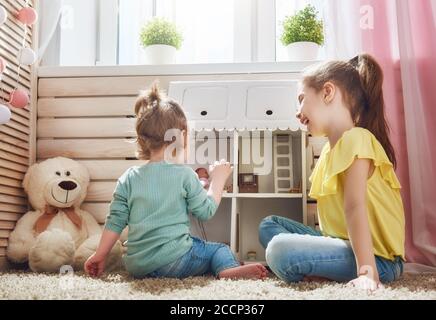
<point>86,114</point>
<point>203,175</point>
<point>248,183</point>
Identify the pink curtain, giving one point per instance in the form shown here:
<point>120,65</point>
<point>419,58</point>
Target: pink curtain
<point>403,39</point>
<point>417,43</point>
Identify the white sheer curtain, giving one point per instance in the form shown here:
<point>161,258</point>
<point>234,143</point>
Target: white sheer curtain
<point>342,29</point>
<point>417,43</point>
<point>208,28</point>
<point>133,14</point>
<point>49,31</point>
<point>68,32</point>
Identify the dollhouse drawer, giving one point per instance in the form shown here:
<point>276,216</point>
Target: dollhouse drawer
<point>271,103</point>
<point>205,103</point>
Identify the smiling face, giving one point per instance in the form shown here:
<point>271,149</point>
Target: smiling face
<point>313,112</point>
<point>63,190</point>
<point>60,182</point>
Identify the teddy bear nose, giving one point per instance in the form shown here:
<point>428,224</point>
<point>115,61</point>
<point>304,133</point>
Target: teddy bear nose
<point>67,185</point>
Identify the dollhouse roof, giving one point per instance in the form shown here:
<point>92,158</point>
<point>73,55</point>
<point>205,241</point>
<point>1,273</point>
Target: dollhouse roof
<point>238,105</point>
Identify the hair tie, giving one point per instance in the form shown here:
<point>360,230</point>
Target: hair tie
<point>150,105</point>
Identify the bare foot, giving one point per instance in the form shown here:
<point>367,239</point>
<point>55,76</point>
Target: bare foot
<point>248,271</point>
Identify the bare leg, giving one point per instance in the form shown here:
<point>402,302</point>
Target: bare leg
<point>249,271</point>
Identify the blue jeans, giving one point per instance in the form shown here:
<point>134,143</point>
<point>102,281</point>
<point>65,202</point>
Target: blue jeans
<point>203,258</point>
<point>294,251</point>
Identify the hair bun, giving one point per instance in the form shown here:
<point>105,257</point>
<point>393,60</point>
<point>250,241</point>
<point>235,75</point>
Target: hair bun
<point>148,99</point>
<point>153,95</point>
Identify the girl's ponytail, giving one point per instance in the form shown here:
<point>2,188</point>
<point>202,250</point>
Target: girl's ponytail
<point>148,99</point>
<point>372,113</point>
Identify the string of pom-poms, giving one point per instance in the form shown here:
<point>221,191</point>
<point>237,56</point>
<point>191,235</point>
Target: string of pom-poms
<point>18,97</point>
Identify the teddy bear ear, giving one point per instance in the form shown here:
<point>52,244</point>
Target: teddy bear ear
<point>28,176</point>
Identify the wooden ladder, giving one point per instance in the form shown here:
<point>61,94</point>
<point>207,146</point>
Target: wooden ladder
<point>283,174</point>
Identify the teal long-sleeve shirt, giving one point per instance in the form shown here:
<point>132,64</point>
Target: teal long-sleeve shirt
<point>155,200</point>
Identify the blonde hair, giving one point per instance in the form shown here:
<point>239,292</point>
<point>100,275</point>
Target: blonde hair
<point>155,115</point>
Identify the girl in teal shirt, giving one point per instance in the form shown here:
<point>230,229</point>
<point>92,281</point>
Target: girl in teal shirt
<point>154,201</point>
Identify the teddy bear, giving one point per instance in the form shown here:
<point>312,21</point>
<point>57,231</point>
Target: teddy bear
<point>57,232</point>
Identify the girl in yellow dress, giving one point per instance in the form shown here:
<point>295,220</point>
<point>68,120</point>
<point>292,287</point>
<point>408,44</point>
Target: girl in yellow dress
<point>358,194</point>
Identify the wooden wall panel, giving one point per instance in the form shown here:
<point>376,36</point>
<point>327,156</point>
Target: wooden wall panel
<point>15,136</point>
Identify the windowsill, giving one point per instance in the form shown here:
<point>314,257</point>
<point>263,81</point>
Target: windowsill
<point>174,69</point>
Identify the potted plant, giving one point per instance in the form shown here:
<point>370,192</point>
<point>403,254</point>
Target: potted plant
<point>303,34</point>
<point>160,40</point>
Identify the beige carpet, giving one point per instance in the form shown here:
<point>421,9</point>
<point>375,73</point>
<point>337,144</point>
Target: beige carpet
<point>26,285</point>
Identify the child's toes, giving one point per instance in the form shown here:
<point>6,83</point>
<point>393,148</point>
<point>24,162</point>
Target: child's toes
<point>262,267</point>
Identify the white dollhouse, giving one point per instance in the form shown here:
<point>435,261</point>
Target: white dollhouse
<point>252,124</point>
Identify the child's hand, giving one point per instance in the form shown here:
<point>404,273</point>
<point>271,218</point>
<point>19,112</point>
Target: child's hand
<point>366,283</point>
<point>94,266</point>
<point>220,170</point>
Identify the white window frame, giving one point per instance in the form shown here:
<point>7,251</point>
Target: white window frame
<point>264,27</point>
<point>254,34</point>
<point>107,42</point>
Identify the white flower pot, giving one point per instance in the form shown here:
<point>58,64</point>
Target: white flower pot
<point>160,54</point>
<point>301,51</point>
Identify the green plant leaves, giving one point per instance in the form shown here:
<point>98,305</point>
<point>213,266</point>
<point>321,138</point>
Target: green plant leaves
<point>160,31</point>
<point>303,26</point>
